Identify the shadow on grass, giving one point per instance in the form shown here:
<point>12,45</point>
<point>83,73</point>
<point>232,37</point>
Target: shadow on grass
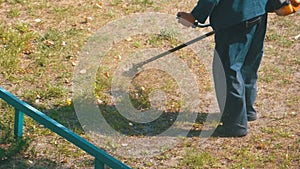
<point>204,122</point>
<point>9,146</point>
<point>12,151</point>
<point>66,115</point>
<point>43,163</point>
<point>19,163</point>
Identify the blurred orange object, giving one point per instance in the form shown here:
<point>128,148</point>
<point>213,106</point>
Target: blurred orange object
<point>293,7</point>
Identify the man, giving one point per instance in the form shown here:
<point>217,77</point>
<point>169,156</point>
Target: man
<point>240,27</point>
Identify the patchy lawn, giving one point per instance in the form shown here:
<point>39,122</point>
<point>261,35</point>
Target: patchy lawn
<point>40,44</point>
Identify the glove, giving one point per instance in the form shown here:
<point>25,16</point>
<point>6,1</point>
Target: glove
<point>273,5</point>
<point>292,7</point>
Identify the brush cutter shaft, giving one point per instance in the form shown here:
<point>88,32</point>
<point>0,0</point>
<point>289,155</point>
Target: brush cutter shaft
<point>196,24</point>
<point>175,49</point>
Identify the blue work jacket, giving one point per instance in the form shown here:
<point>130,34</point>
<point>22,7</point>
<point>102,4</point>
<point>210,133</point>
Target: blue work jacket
<point>225,13</point>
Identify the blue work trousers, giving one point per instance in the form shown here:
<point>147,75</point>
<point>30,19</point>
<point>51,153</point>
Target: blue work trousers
<point>240,50</point>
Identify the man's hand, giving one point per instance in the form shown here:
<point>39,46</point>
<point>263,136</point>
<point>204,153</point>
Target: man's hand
<point>186,19</point>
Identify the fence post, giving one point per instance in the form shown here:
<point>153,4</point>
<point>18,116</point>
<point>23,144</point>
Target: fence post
<point>18,126</point>
<point>98,164</point>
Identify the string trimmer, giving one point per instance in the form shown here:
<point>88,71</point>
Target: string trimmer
<point>135,67</point>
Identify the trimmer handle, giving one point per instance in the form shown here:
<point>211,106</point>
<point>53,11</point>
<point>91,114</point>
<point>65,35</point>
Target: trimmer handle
<point>196,24</point>
<point>201,25</point>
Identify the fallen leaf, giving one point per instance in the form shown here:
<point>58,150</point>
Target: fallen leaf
<point>128,39</point>
<point>67,80</point>
<point>74,63</point>
<point>293,113</point>
<point>83,71</point>
<point>68,102</point>
<point>89,18</point>
<point>261,145</point>
<point>85,21</point>
<point>37,20</point>
<point>64,161</point>
<point>99,101</point>
<point>292,136</point>
<point>106,74</point>
<point>119,57</point>
<point>49,43</point>
<point>99,5</point>
<point>28,51</point>
<point>63,43</point>
<point>124,145</point>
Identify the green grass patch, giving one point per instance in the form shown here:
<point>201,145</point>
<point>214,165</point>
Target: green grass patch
<point>198,160</point>
<point>13,13</point>
<point>13,42</point>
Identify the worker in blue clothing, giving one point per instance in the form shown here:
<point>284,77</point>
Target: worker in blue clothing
<point>240,27</point>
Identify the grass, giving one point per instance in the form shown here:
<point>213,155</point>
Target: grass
<point>14,13</point>
<point>37,59</point>
<point>13,42</point>
<point>197,160</point>
<point>9,145</point>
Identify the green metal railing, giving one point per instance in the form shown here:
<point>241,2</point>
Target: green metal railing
<point>21,108</point>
